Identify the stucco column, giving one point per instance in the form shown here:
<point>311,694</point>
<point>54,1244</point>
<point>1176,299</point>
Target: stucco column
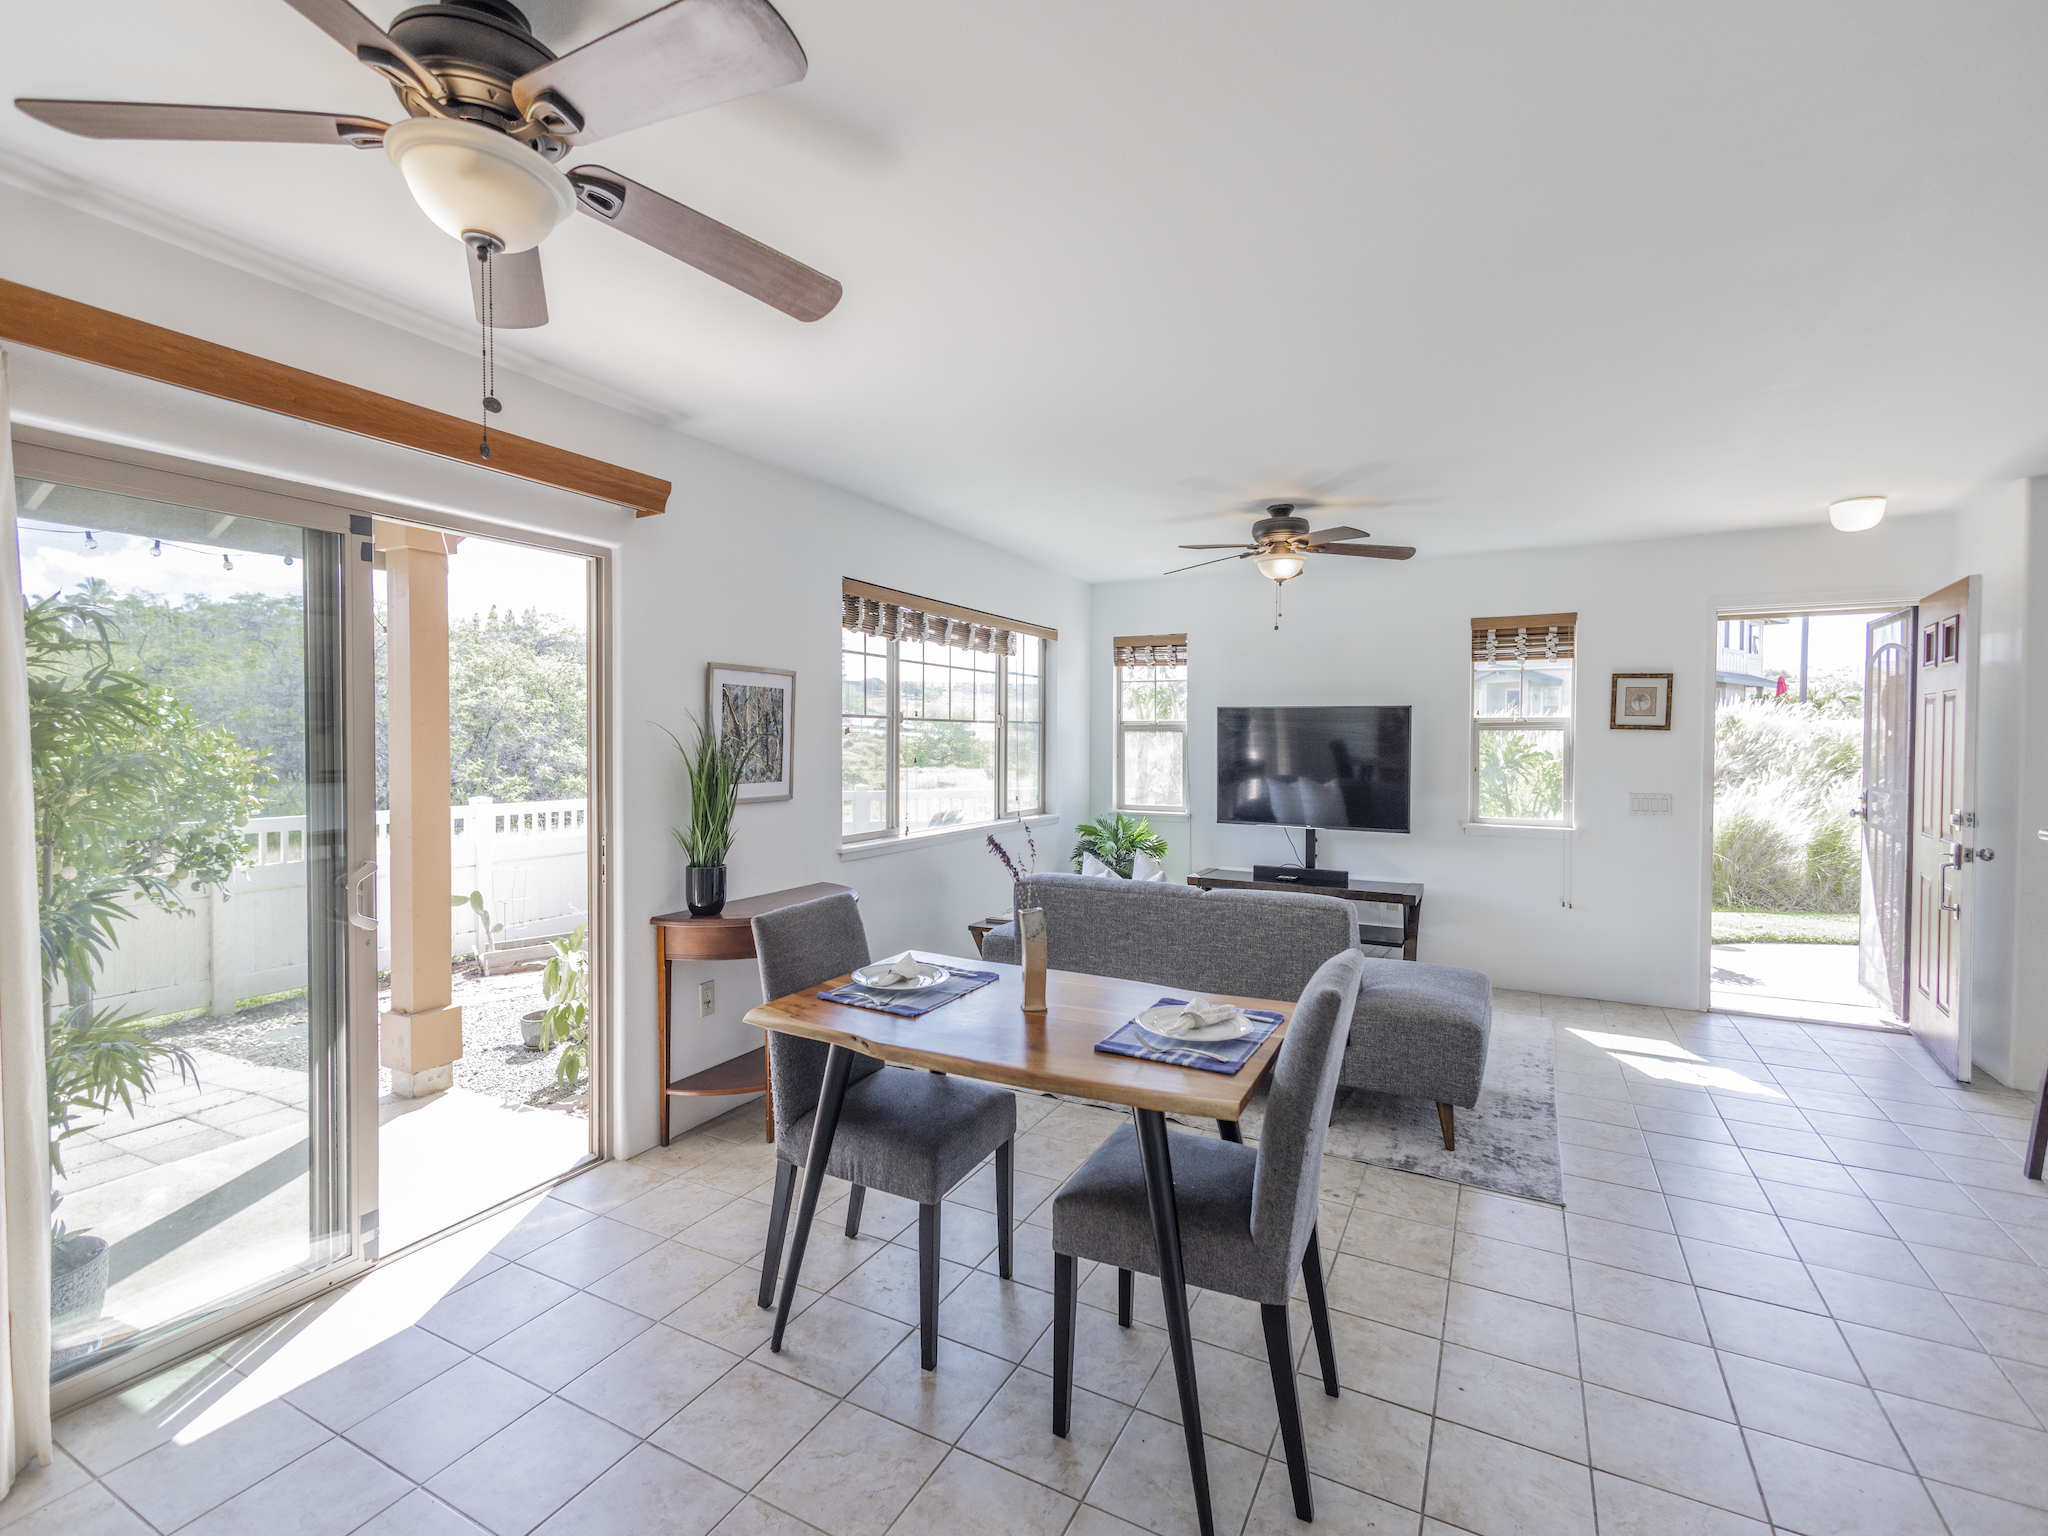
<point>420,1038</point>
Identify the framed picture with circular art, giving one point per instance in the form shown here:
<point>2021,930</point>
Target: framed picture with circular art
<point>1640,701</point>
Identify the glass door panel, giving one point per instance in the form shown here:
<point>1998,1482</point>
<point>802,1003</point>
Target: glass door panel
<point>192,808</point>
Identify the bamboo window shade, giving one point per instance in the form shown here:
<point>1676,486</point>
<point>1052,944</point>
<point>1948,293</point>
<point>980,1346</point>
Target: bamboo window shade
<point>893,615</point>
<point>1151,650</point>
<point>1525,637</point>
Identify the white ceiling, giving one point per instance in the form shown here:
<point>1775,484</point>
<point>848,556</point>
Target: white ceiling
<point>1540,274</point>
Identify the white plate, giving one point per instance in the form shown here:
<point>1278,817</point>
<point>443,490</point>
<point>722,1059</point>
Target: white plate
<point>1157,1021</point>
<point>928,975</point>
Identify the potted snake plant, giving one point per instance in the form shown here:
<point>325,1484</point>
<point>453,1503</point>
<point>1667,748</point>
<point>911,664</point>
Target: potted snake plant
<point>713,771</point>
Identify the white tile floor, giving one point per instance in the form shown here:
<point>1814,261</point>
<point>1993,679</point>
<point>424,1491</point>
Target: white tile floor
<point>1797,1280</point>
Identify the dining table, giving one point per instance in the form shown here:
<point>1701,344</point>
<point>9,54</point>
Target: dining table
<point>987,1034</point>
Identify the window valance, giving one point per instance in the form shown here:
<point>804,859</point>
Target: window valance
<point>893,615</point>
<point>1151,650</point>
<point>1520,637</point>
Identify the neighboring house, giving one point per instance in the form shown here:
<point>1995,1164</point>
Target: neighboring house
<point>1738,668</point>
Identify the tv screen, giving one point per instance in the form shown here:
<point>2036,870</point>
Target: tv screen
<point>1340,766</point>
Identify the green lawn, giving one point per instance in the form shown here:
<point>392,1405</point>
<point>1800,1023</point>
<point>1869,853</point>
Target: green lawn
<point>1785,927</point>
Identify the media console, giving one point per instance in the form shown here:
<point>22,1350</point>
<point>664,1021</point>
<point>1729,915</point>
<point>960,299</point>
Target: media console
<point>1405,894</point>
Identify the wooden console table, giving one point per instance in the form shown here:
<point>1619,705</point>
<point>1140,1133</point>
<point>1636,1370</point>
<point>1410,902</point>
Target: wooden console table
<point>1407,895</point>
<point>728,936</point>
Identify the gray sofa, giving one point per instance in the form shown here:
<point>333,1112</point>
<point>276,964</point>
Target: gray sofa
<point>1418,1030</point>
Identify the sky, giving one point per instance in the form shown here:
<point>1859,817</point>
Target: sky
<point>1835,645</point>
<point>59,560</point>
<point>482,572</point>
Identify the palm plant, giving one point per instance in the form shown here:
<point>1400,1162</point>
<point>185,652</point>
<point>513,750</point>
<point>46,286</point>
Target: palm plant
<point>1117,840</point>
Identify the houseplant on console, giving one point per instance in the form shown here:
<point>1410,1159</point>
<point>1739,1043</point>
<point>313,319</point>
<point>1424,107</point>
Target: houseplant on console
<point>1117,840</point>
<point>714,775</point>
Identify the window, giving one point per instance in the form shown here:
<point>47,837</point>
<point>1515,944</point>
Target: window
<point>942,715</point>
<point>1522,719</point>
<point>1151,722</point>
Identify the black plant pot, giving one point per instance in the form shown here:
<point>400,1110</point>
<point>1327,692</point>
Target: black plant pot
<point>704,889</point>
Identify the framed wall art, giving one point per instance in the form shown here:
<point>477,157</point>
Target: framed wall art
<point>755,708</point>
<point>1640,701</point>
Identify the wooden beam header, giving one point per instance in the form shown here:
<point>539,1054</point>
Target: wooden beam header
<point>33,318</point>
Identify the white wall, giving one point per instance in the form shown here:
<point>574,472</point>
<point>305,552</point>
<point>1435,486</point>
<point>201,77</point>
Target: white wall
<point>1640,892</point>
<point>745,567</point>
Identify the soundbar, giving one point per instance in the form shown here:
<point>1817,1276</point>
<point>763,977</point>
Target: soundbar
<point>1294,874</point>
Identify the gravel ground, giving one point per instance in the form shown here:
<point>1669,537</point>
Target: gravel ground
<point>495,1060</point>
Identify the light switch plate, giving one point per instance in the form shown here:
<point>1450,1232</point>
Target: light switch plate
<point>1641,804</point>
<point>707,999</point>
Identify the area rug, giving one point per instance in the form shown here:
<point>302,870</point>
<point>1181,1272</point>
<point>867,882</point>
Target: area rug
<point>1508,1142</point>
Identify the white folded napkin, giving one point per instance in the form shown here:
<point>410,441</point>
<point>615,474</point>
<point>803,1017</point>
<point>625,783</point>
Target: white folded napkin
<point>902,968</point>
<point>1198,1016</point>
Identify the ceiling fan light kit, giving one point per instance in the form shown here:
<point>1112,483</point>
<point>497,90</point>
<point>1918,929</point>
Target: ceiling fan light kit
<point>1857,513</point>
<point>473,180</point>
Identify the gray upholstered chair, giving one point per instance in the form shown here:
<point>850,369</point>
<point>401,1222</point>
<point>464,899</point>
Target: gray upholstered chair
<point>1247,1214</point>
<point>907,1133</point>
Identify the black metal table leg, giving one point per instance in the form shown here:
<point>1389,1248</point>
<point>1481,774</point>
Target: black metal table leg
<point>1006,1187</point>
<point>778,1227</point>
<point>1157,1157</point>
<point>1230,1130</point>
<point>824,1125</point>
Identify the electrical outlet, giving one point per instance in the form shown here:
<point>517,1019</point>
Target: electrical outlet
<point>707,999</point>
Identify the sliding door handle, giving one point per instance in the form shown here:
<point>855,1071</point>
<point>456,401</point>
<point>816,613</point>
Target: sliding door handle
<point>367,874</point>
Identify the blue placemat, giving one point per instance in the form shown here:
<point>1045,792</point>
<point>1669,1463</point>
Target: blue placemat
<point>910,1005</point>
<point>1214,1055</point>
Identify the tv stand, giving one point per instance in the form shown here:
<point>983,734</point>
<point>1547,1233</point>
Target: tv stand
<point>1406,894</point>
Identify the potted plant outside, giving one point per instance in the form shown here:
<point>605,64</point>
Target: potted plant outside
<point>714,776</point>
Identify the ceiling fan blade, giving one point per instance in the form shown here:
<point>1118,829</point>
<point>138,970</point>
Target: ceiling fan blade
<point>166,120</point>
<point>703,242</point>
<point>369,43</point>
<point>1328,535</point>
<point>1217,546</point>
<point>518,301</point>
<point>1217,561</point>
<point>1369,551</point>
<point>687,55</point>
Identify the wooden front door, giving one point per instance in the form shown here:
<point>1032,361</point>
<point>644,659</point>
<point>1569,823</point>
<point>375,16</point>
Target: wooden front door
<point>1887,807</point>
<point>1943,828</point>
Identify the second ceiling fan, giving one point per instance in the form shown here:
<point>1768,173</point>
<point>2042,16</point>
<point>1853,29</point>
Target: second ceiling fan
<point>491,109</point>
<point>1281,544</point>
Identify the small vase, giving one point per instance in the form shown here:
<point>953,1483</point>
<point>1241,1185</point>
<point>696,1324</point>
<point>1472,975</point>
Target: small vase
<point>704,889</point>
<point>1031,945</point>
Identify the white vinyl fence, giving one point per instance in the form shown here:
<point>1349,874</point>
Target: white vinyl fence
<point>527,859</point>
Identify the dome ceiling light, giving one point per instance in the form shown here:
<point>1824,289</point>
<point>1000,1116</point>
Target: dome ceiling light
<point>1857,513</point>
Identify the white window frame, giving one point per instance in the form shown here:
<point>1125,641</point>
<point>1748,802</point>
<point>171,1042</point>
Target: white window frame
<point>1162,727</point>
<point>893,827</point>
<point>1566,725</point>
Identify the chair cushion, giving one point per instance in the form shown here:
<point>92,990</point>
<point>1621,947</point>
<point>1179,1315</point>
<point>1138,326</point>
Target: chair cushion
<point>1420,1029</point>
<point>1101,1214</point>
<point>908,1133</point>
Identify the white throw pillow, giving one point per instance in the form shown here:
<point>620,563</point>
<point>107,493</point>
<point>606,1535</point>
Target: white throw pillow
<point>1091,865</point>
<point>1145,867</point>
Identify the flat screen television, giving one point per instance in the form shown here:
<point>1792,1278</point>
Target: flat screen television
<point>1337,766</point>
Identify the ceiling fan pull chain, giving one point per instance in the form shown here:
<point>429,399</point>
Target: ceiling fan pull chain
<point>490,348</point>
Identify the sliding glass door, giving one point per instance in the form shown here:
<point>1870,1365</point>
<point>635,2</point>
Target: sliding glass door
<point>203,824</point>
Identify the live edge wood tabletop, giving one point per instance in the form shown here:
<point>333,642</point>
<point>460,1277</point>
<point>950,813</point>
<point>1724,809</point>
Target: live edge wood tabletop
<point>988,1035</point>
<point>728,936</point>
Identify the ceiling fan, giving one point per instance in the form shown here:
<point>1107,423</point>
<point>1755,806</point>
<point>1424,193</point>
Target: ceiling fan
<point>1281,544</point>
<point>491,109</point>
